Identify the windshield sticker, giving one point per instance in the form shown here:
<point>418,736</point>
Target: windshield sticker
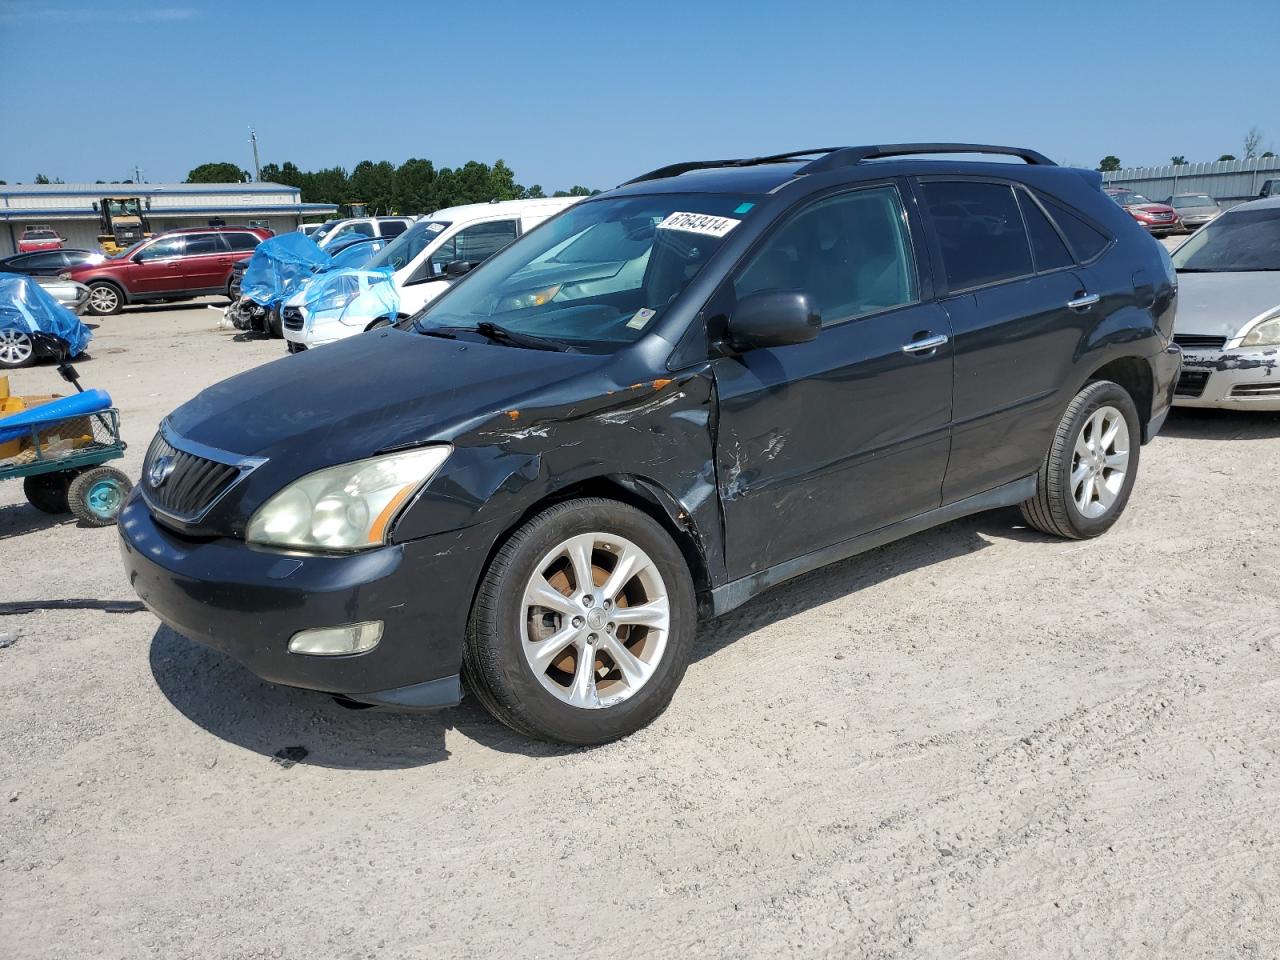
<point>699,223</point>
<point>743,208</point>
<point>434,227</point>
<point>641,317</point>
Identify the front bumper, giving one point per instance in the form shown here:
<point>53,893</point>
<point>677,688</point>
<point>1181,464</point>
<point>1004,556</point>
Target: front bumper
<point>1242,379</point>
<point>247,602</point>
<point>318,334</point>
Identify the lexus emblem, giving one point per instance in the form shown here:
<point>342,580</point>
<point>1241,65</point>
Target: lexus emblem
<point>160,470</point>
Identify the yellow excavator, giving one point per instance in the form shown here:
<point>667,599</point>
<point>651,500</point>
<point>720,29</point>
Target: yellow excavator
<point>122,223</point>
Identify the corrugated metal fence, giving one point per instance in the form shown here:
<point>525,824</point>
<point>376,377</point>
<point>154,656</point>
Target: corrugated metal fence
<point>1227,181</point>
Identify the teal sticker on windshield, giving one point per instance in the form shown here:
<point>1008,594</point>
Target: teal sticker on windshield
<point>743,208</point>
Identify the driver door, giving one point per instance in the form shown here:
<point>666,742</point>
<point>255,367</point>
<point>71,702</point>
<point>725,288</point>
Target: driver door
<point>157,266</point>
<point>822,441</point>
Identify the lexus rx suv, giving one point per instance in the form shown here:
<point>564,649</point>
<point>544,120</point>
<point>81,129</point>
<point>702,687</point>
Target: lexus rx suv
<point>176,265</point>
<point>537,483</point>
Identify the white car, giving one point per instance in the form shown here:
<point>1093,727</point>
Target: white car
<point>417,267</point>
<point>1228,321</point>
<point>387,227</point>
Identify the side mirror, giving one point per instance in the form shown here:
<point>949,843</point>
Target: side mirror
<point>773,318</point>
<point>458,268</point>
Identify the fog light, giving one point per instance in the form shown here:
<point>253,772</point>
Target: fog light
<point>337,641</point>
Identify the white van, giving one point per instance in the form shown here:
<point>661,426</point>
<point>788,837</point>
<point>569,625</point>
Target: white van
<point>417,259</point>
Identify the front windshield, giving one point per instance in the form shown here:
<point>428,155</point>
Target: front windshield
<point>1199,200</point>
<point>1243,241</point>
<point>402,251</point>
<point>323,229</point>
<point>598,275</point>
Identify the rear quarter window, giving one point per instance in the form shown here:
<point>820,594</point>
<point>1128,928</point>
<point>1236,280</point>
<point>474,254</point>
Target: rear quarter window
<point>1086,240</point>
<point>980,231</point>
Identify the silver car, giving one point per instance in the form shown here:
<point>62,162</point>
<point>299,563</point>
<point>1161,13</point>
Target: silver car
<point>70,294</point>
<point>1194,209</point>
<point>1228,321</point>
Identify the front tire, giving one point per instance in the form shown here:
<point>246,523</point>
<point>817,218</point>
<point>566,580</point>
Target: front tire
<point>105,299</point>
<point>583,624</point>
<point>1087,475</point>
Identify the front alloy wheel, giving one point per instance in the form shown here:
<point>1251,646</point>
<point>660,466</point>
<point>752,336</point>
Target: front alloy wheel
<point>104,299</point>
<point>582,624</point>
<point>16,349</point>
<point>596,620</point>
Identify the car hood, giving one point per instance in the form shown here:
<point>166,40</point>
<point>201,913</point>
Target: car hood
<point>1219,304</point>
<point>1151,207</point>
<point>372,392</point>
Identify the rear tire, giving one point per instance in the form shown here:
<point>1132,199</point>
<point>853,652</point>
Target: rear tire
<point>47,492</point>
<point>1088,473</point>
<point>600,659</point>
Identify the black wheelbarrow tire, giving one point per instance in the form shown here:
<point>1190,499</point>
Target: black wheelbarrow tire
<point>97,494</point>
<point>47,492</point>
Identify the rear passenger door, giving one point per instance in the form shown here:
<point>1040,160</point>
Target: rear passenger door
<point>819,442</point>
<point>206,264</point>
<point>1010,285</point>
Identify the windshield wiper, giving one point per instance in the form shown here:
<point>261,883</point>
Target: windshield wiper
<point>499,334</point>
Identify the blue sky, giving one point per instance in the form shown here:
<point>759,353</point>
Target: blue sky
<point>595,92</point>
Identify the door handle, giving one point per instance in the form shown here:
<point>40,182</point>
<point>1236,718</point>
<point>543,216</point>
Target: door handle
<point>927,344</point>
<point>1084,302</point>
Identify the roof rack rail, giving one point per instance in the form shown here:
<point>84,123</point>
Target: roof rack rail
<point>675,169</point>
<point>848,156</point>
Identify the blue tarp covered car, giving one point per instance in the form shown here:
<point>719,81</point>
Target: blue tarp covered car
<point>280,266</point>
<point>33,324</point>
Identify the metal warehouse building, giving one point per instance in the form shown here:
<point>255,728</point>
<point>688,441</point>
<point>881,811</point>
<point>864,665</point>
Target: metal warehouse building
<point>69,207</point>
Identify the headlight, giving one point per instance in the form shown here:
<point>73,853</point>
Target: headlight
<point>348,507</point>
<point>534,298</point>
<point>1264,334</point>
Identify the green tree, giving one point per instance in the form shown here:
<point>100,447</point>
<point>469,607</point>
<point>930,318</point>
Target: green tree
<point>1268,153</point>
<point>41,178</point>
<point>373,184</point>
<point>502,182</point>
<point>1178,160</point>
<point>217,173</point>
<point>415,186</point>
<point>532,193</point>
<point>1109,164</point>
<point>1226,156</point>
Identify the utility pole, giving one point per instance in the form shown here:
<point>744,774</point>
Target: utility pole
<point>137,174</point>
<point>257,170</point>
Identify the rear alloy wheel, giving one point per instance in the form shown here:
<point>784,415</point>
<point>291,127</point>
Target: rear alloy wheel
<point>1087,476</point>
<point>16,349</point>
<point>104,299</point>
<point>583,624</point>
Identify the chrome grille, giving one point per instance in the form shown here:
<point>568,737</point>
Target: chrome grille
<point>1193,341</point>
<point>189,485</point>
<point>291,318</point>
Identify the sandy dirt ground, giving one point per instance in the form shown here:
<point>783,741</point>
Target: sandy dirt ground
<point>978,742</point>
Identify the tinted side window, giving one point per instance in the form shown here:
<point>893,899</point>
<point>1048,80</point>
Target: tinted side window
<point>54,258</point>
<point>1049,250</point>
<point>850,253</point>
<point>392,228</point>
<point>1084,239</point>
<point>202,244</point>
<point>482,241</point>
<point>980,231</point>
<point>241,241</point>
<point>364,227</point>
